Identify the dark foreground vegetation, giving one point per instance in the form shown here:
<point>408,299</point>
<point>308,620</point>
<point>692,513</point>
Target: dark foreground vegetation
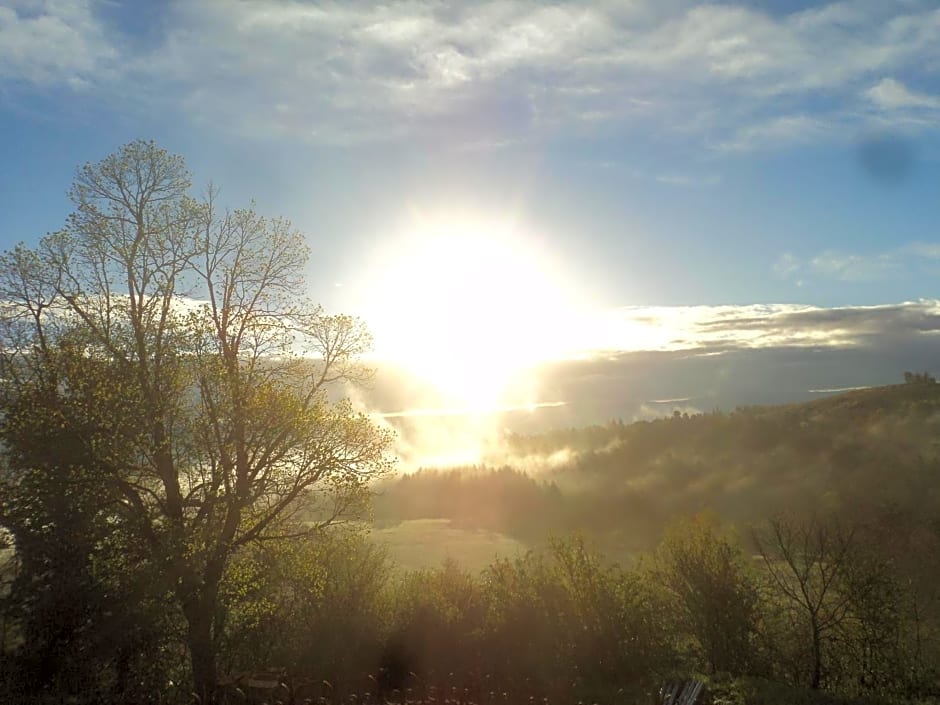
<point>183,492</point>
<point>825,612</point>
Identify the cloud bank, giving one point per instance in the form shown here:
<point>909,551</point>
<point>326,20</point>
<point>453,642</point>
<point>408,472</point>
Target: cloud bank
<point>687,359</point>
<point>727,76</point>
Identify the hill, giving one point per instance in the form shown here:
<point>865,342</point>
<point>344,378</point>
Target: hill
<point>851,454</point>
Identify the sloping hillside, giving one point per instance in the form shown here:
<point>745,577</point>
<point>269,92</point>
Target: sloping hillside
<point>846,454</point>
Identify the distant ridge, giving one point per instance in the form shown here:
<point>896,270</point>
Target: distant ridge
<point>857,453</point>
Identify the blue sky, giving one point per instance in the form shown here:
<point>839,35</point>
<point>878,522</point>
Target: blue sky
<point>668,152</point>
<point>723,203</point>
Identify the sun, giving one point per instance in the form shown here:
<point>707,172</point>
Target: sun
<point>471,306</point>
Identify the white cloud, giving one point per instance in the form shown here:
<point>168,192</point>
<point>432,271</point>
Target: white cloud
<point>786,265</point>
<point>860,267</point>
<point>892,95</point>
<point>47,42</point>
<point>925,250</point>
<point>690,180</point>
<point>721,328</point>
<point>497,72</point>
<point>353,71</point>
<point>776,132</point>
<point>855,267</point>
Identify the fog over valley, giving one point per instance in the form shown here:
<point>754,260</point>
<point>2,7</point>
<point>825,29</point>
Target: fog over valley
<point>686,359</point>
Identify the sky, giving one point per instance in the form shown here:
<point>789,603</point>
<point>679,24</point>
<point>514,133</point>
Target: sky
<point>701,158</point>
<point>672,152</point>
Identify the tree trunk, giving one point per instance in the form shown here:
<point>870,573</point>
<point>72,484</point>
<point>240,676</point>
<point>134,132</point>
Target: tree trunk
<point>201,648</point>
<point>817,659</point>
<point>200,607</point>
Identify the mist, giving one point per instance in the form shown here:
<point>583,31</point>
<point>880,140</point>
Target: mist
<point>713,358</point>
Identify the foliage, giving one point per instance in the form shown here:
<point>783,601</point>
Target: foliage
<point>919,378</point>
<point>86,598</point>
<point>307,606</point>
<point>169,346</point>
<point>574,625</point>
<point>713,591</point>
<point>838,610</point>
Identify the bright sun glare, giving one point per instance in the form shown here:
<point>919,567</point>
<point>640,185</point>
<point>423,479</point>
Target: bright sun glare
<point>471,306</point>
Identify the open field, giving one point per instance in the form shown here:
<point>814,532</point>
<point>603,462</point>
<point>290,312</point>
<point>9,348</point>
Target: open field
<point>426,543</point>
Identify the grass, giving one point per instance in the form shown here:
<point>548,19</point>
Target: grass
<point>426,543</point>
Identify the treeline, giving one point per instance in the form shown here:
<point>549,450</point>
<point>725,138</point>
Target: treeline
<point>817,611</point>
<point>845,456</point>
<point>503,500</point>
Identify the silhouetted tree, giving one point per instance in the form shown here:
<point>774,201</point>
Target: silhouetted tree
<point>200,319</point>
<point>807,563</point>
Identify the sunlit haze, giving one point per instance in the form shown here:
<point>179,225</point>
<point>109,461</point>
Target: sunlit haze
<point>547,214</point>
<point>472,304</point>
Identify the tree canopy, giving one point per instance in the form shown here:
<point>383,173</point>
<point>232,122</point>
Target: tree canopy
<point>161,360</point>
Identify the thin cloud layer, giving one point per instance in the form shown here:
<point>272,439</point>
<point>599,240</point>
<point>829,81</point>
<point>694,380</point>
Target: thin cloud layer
<point>916,258</point>
<point>49,42</point>
<point>728,76</point>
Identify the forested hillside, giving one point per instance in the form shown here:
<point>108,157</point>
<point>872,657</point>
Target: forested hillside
<point>853,455</point>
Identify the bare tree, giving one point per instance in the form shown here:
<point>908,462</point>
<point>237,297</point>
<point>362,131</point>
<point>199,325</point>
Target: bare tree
<point>807,563</point>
